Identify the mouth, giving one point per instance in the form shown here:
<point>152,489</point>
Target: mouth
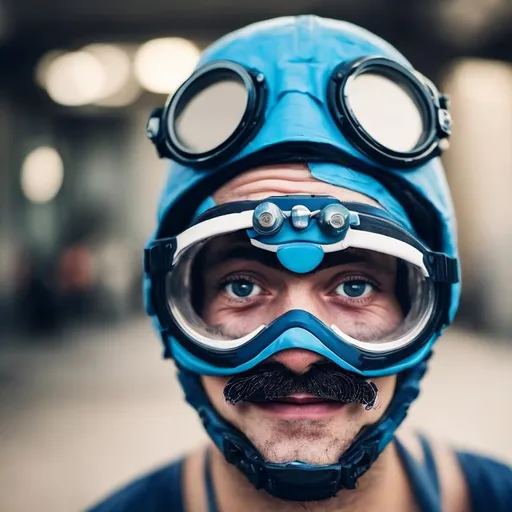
<point>300,406</point>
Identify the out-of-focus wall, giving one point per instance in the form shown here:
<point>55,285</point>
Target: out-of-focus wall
<point>479,169</point>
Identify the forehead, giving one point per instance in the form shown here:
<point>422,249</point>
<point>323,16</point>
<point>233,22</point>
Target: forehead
<point>278,180</point>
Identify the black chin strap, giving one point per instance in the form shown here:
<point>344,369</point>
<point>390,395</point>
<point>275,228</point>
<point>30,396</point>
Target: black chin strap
<point>279,481</point>
<point>298,481</point>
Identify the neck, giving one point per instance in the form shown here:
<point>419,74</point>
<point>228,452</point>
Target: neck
<point>383,487</point>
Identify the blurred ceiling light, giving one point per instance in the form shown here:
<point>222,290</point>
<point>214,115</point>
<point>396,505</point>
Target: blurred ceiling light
<point>42,174</point>
<point>43,65</point>
<point>126,96</point>
<point>112,86</point>
<point>76,78</point>
<point>162,65</point>
<point>116,64</point>
<point>119,89</point>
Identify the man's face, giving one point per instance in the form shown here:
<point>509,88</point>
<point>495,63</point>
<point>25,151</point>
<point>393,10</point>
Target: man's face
<point>243,289</point>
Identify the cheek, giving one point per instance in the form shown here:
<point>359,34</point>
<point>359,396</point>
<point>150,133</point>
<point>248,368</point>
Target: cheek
<point>236,324</point>
<point>208,311</point>
<point>384,315</point>
<point>390,314</point>
<point>386,389</point>
<point>214,387</point>
<point>370,323</point>
<point>387,315</point>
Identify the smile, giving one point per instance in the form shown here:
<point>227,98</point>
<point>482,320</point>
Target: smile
<point>300,406</point>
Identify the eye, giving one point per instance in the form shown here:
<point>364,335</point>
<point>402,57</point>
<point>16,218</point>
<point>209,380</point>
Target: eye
<point>242,289</point>
<point>355,289</point>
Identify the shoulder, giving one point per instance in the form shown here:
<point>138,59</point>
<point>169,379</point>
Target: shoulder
<point>468,481</point>
<point>489,482</point>
<point>157,491</point>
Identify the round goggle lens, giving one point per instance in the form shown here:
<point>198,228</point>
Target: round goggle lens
<point>386,110</point>
<point>209,117</point>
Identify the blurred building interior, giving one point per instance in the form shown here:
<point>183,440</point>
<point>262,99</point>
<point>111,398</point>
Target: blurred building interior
<point>79,183</point>
<point>79,180</point>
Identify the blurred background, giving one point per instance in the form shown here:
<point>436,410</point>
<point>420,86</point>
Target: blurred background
<point>85,402</point>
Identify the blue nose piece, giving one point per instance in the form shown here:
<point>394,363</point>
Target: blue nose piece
<point>300,257</point>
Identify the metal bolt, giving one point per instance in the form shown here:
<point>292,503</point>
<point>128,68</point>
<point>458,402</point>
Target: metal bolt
<point>444,144</point>
<point>333,219</point>
<point>445,121</point>
<point>300,216</point>
<point>153,128</point>
<point>267,218</point>
<point>337,220</point>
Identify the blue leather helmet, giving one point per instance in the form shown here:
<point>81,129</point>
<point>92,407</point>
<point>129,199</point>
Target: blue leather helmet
<point>338,98</point>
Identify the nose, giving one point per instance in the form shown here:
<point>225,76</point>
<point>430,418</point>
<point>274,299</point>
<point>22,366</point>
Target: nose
<point>300,293</point>
<point>297,360</point>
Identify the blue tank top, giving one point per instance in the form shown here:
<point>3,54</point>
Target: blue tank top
<point>489,483</point>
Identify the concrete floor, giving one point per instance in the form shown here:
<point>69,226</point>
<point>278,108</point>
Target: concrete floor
<point>86,411</point>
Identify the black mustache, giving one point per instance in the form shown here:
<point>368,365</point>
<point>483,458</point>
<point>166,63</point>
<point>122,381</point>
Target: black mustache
<point>272,381</point>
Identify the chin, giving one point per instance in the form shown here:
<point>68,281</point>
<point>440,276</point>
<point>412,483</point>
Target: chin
<point>315,443</point>
<point>319,453</point>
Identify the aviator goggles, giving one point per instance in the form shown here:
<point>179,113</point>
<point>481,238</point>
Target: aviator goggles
<point>392,114</point>
<point>298,236</point>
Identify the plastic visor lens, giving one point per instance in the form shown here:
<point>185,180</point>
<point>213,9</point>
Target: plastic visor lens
<point>208,117</point>
<point>386,110</point>
<point>371,297</point>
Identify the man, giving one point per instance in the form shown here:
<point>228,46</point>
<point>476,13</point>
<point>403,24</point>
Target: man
<point>304,264</point>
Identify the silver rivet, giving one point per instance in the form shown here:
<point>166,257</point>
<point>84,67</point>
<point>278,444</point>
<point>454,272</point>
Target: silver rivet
<point>337,220</point>
<point>445,121</point>
<point>300,216</point>
<point>267,218</point>
<point>153,127</point>
<point>333,219</point>
<point>444,144</point>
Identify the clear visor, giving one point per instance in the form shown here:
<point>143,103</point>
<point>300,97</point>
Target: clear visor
<point>224,292</point>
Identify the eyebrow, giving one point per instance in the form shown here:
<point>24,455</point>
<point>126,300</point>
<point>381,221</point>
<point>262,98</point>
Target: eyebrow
<point>269,259</point>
